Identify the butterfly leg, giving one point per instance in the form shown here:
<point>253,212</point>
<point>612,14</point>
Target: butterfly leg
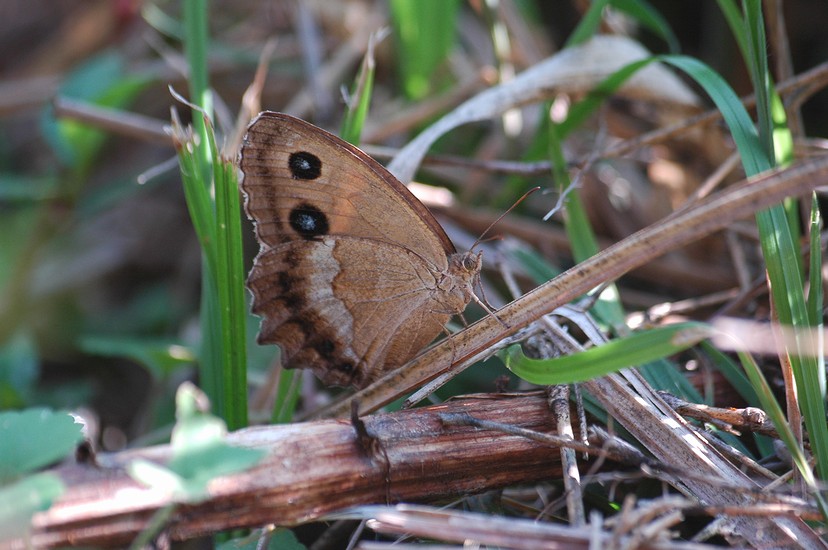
<point>371,446</point>
<point>488,310</point>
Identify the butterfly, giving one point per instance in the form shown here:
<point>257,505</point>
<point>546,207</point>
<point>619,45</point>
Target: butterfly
<point>354,275</point>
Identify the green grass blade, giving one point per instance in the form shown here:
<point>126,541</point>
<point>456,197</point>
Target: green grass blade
<point>210,352</point>
<point>360,99</point>
<point>195,49</point>
<point>589,23</point>
<point>774,411</point>
<point>202,214</point>
<point>424,33</point>
<point>757,62</point>
<point>617,354</point>
<point>212,197</point>
<point>643,12</point>
<point>733,112</point>
<point>230,284</point>
<point>816,296</point>
<point>196,193</point>
<point>778,239</point>
<point>579,231</point>
<point>733,16</point>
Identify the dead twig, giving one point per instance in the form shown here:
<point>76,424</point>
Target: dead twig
<point>311,469</point>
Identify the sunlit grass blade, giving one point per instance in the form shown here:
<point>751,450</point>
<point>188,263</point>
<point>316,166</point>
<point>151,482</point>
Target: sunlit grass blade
<point>615,355</point>
<point>211,191</point>
<point>360,97</point>
<point>424,32</point>
<point>778,239</point>
<point>230,282</point>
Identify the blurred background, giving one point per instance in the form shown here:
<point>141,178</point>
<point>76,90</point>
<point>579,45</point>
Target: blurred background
<point>100,274</point>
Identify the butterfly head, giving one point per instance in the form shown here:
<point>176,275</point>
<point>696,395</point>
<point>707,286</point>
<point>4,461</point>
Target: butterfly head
<point>458,282</point>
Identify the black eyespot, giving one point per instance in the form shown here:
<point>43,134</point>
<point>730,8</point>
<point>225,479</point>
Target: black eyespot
<point>304,165</point>
<point>309,221</point>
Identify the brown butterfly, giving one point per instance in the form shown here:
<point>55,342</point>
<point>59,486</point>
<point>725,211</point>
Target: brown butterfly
<point>354,275</point>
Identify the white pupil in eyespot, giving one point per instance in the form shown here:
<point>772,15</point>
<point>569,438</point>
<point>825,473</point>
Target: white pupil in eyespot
<point>306,222</point>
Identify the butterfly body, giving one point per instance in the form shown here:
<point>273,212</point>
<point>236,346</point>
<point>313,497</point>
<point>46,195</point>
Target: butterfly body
<point>354,275</point>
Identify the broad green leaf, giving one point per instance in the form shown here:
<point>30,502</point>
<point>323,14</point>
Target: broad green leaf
<point>160,357</point>
<point>34,438</point>
<point>22,499</point>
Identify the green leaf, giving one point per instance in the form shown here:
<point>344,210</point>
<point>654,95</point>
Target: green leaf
<point>617,354</point>
<point>103,81</point>
<point>155,475</point>
<point>650,18</point>
<point>199,452</point>
<point>160,357</point>
<point>34,438</point>
<point>19,367</point>
<point>589,23</point>
<point>22,499</point>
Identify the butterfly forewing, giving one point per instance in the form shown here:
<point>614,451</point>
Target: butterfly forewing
<point>289,164</point>
<point>353,275</point>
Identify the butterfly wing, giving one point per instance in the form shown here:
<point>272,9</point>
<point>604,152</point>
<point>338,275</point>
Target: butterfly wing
<point>301,181</point>
<point>346,278</point>
<point>348,308</point>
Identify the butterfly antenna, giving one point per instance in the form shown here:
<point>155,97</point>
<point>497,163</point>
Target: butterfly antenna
<point>491,225</point>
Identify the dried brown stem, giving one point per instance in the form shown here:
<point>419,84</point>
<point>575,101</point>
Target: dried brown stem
<point>113,120</point>
<point>312,469</point>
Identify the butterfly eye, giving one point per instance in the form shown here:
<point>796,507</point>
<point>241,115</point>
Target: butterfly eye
<point>304,165</point>
<point>470,263</point>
